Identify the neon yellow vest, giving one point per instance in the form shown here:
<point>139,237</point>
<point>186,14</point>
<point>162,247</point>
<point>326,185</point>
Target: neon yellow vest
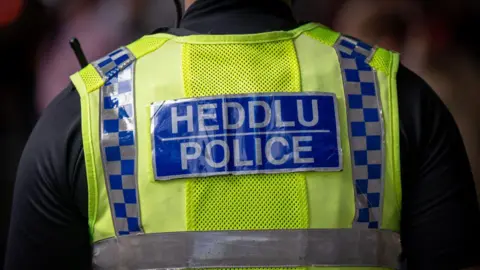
<point>343,219</point>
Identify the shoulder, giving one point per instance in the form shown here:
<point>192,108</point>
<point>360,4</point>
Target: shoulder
<point>53,154</point>
<point>423,114</point>
<point>49,213</point>
<point>428,129</point>
<point>59,125</point>
<point>438,191</point>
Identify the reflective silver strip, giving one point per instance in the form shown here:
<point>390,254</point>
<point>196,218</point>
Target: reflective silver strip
<point>110,65</point>
<point>234,249</point>
<point>118,139</point>
<point>366,131</point>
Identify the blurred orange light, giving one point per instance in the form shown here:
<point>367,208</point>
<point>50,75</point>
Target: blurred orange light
<point>9,11</point>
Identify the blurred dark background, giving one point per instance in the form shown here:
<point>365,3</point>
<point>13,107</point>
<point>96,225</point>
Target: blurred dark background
<point>436,39</point>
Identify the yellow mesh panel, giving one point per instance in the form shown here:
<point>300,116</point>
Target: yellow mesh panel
<point>217,69</point>
<point>91,78</point>
<point>381,60</point>
<point>275,201</point>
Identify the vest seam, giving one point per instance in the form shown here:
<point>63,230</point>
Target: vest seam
<point>288,35</point>
<point>395,121</point>
<point>91,181</point>
<point>303,175</point>
<point>312,36</point>
<point>164,40</point>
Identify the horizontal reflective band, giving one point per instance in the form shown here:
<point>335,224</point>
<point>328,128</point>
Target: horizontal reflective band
<point>228,249</point>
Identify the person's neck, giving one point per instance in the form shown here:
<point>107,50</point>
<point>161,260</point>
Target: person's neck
<point>238,16</point>
<point>189,3</point>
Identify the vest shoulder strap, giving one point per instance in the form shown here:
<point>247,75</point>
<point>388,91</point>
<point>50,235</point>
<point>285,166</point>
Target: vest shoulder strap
<point>381,59</point>
<point>97,73</point>
<point>324,34</point>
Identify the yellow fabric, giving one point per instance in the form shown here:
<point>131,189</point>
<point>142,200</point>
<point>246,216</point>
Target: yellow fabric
<point>146,45</point>
<point>386,64</point>
<point>88,82</point>
<point>162,204</point>
<point>392,196</point>
<point>383,61</point>
<point>177,67</point>
<point>240,68</point>
<point>99,215</point>
<point>324,35</point>
<point>252,201</point>
<point>320,71</point>
<point>247,202</point>
<point>395,128</point>
<point>92,79</point>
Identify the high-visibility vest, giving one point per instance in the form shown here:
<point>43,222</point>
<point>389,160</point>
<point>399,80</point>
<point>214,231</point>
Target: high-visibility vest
<point>277,150</point>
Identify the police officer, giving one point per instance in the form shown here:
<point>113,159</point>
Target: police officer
<point>245,139</point>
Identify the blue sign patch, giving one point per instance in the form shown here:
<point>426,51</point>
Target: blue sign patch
<point>245,135</point>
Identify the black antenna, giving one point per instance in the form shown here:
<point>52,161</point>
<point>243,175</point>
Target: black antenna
<point>178,7</point>
<point>77,49</point>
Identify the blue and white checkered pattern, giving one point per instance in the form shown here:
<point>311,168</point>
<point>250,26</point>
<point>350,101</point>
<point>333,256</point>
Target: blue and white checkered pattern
<point>118,139</point>
<point>366,129</point>
<point>110,65</point>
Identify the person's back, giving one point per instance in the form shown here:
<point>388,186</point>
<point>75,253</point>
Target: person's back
<point>290,140</point>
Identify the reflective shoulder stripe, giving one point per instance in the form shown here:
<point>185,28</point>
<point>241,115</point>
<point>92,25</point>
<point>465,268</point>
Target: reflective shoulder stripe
<point>366,130</point>
<point>110,65</point>
<point>232,249</point>
<point>118,139</point>
<point>113,75</point>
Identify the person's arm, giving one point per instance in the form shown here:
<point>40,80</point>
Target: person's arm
<point>440,226</point>
<point>49,227</point>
